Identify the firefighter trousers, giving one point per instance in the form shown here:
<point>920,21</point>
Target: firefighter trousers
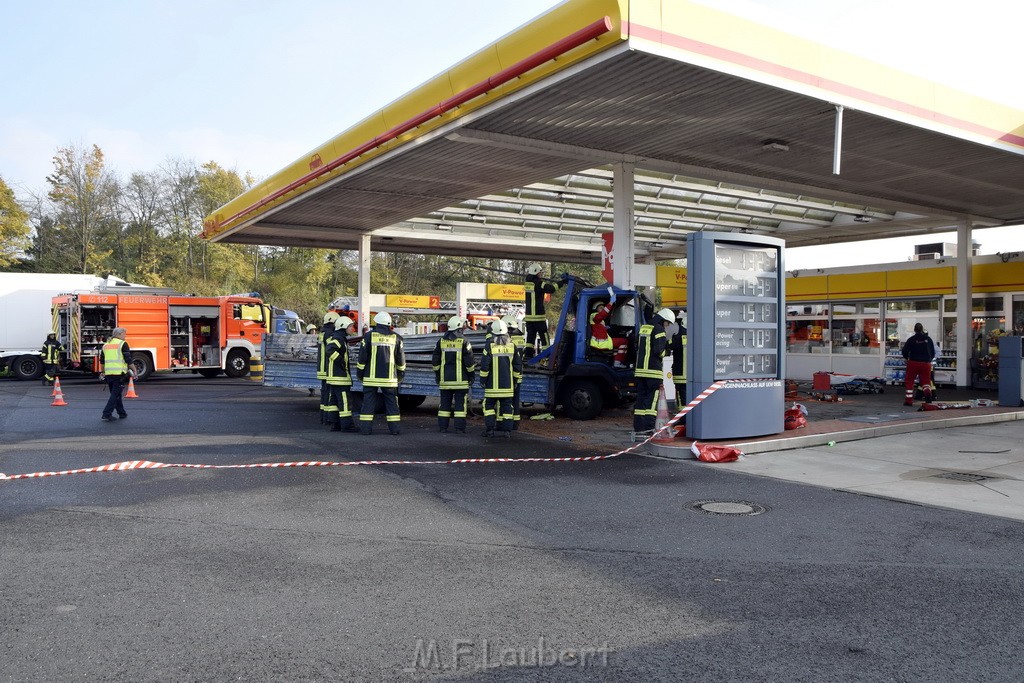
<point>339,406</point>
<point>454,404</point>
<point>390,396</point>
<point>536,330</point>
<point>645,411</point>
<point>498,413</point>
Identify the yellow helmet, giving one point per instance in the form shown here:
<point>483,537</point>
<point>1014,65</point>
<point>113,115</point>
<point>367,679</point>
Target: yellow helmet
<point>343,322</point>
<point>510,321</point>
<point>330,317</point>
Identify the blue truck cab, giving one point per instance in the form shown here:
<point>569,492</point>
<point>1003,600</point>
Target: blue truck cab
<point>586,379</point>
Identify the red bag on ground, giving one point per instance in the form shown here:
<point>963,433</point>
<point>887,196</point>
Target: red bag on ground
<point>796,417</point>
<point>707,452</point>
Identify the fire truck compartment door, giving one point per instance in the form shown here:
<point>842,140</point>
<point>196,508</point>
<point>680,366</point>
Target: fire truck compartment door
<point>195,311</point>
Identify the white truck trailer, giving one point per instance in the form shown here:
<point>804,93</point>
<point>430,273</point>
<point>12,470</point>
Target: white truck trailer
<point>26,319</point>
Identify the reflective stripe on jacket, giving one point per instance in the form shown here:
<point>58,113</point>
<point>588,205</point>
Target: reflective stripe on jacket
<point>338,373</point>
<point>650,350</point>
<point>51,352</point>
<point>381,357</point>
<point>678,349</point>
<point>599,337</point>
<point>321,350</point>
<point>535,291</point>
<point>501,367</point>
<point>453,361</point>
<point>114,362</point>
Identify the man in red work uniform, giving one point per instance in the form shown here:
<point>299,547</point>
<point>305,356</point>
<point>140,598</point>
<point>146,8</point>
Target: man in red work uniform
<point>919,351</point>
<point>600,339</point>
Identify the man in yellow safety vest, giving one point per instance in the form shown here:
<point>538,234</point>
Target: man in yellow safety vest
<point>381,367</point>
<point>115,369</point>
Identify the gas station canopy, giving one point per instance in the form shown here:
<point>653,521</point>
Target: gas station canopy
<point>726,125</point>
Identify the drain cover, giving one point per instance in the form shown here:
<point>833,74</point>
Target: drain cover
<point>726,507</point>
<point>962,476</point>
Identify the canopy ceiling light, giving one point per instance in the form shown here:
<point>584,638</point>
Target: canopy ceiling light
<point>775,146</point>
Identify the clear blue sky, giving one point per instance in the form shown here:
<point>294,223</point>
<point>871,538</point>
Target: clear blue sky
<point>255,84</point>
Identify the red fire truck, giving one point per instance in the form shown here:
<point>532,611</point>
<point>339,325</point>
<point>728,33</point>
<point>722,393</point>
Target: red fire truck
<point>172,332</point>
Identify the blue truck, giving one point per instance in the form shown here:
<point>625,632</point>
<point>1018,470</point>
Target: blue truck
<point>568,373</point>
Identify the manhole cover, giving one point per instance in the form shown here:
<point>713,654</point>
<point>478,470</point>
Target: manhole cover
<point>962,476</point>
<point>726,507</point>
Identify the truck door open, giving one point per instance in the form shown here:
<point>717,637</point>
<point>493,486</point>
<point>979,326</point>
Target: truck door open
<point>195,336</point>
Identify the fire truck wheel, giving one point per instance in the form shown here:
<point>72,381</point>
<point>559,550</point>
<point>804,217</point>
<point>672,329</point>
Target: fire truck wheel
<point>582,399</point>
<point>238,364</point>
<point>142,364</point>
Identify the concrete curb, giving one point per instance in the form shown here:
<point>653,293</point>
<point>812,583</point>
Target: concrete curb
<point>683,452</point>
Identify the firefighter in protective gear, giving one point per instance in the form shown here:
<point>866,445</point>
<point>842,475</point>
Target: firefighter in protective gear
<point>919,352</point>
<point>501,369</point>
<point>454,365</point>
<point>321,363</point>
<point>381,367</point>
<point>515,333</point>
<point>536,318</point>
<point>677,347</point>
<point>51,358</point>
<point>650,351</point>
<point>115,369</point>
<point>601,340</point>
<point>339,377</point>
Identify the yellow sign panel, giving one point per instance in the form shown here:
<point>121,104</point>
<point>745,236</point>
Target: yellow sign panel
<point>805,288</point>
<point>506,292</point>
<point>920,281</point>
<point>407,301</point>
<point>670,276</point>
<point>854,285</point>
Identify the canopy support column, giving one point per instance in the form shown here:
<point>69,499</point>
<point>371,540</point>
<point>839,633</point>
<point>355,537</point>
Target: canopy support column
<point>964,296</point>
<point>837,151</point>
<point>364,282</point>
<point>623,245</point>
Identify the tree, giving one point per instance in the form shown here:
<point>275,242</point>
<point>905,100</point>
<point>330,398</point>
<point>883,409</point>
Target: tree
<point>84,194</point>
<point>14,227</point>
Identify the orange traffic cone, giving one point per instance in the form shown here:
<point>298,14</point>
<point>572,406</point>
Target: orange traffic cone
<point>662,419</point>
<point>56,386</point>
<point>58,399</point>
<point>131,389</point>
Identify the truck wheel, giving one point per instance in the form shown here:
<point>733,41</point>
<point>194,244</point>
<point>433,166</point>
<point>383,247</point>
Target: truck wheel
<point>582,400</point>
<point>238,364</point>
<point>27,367</point>
<point>142,364</point>
<point>410,402</point>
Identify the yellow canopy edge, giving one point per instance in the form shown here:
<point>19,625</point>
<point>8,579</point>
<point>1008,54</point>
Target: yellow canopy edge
<point>528,40</point>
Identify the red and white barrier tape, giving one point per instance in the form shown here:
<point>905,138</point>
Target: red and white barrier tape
<point>150,465</point>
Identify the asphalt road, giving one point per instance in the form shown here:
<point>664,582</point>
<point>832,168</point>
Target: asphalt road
<point>505,572</point>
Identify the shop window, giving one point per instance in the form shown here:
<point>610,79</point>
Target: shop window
<point>809,335</point>
<point>912,306</point>
<point>855,335</point>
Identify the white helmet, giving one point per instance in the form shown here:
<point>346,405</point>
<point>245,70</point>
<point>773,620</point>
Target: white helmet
<point>533,269</point>
<point>499,327</point>
<point>382,318</point>
<point>510,321</point>
<point>455,323</point>
<point>343,322</point>
<point>667,315</point>
<point>330,317</point>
